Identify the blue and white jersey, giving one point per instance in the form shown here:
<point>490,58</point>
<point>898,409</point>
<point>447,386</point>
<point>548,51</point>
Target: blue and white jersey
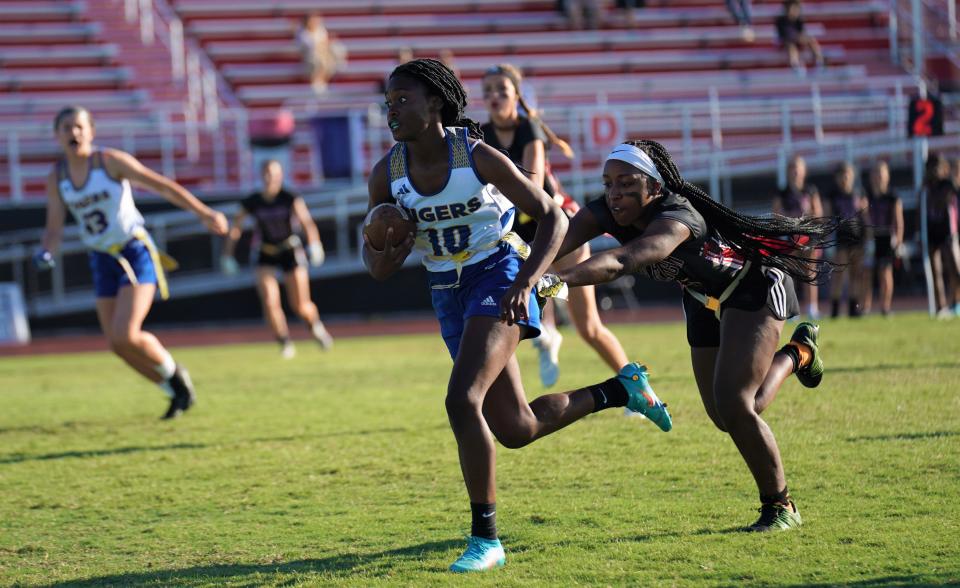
<point>462,223</point>
<point>103,206</point>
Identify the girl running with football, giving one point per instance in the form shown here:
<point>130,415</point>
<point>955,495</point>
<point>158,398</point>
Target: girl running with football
<point>464,196</point>
<point>95,185</point>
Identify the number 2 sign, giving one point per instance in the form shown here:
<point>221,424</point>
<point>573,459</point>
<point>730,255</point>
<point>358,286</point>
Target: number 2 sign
<point>925,117</point>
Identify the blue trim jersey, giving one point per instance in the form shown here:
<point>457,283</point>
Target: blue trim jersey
<point>103,206</point>
<point>463,223</point>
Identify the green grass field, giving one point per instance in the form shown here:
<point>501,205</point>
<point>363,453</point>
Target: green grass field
<point>340,469</point>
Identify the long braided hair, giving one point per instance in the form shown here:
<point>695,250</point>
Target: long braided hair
<point>782,242</point>
<point>440,81</point>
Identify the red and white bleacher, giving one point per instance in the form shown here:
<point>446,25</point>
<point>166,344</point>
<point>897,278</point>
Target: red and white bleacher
<point>685,50</point>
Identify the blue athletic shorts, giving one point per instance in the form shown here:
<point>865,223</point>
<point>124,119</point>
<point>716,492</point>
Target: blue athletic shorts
<point>108,274</point>
<point>482,285</point>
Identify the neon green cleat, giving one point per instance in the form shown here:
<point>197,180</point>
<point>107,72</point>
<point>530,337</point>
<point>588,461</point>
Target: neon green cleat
<point>481,555</point>
<point>807,334</point>
<point>641,397</point>
<point>776,517</point>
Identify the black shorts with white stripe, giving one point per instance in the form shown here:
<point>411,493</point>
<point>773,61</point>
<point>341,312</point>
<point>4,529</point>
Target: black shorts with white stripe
<point>762,287</point>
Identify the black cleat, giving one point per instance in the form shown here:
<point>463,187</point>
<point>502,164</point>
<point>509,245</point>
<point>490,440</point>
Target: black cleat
<point>183,396</point>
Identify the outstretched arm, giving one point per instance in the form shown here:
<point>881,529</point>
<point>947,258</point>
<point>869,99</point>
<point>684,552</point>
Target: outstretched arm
<point>124,165</point>
<point>233,235</point>
<point>56,215</point>
<point>383,263</point>
<point>582,228</point>
<point>314,244</point>
<point>658,241</point>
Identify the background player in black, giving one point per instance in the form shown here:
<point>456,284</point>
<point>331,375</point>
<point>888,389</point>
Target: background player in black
<point>801,199</point>
<point>886,220</point>
<point>525,139</point>
<point>274,209</point>
<point>741,268</point>
<point>847,201</point>
<point>943,248</point>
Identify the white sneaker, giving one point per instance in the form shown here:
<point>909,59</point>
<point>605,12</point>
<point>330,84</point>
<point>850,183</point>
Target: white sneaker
<point>288,351</point>
<point>321,336</point>
<point>548,347</point>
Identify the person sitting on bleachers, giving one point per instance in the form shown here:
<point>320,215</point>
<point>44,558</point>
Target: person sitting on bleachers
<point>321,55</point>
<point>740,11</point>
<point>580,12</point>
<point>793,37</point>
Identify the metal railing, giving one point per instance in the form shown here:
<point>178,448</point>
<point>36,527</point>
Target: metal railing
<point>344,208</point>
<point>189,63</point>
<point>930,28</point>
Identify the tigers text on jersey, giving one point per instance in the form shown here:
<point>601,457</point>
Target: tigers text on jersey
<point>462,223</point>
<point>103,206</point>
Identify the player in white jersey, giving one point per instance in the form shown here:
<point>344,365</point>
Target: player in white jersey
<point>94,184</point>
<point>463,194</point>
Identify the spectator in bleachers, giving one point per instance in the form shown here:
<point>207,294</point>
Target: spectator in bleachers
<point>740,11</point>
<point>800,199</point>
<point>845,200</point>
<point>955,174</point>
<point>580,13</point>
<point>793,37</point>
<point>628,7</point>
<point>446,57</point>
<point>886,218</point>
<point>524,137</point>
<point>943,248</point>
<point>321,55</point>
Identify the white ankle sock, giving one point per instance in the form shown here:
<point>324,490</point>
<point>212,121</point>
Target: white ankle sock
<point>167,366</point>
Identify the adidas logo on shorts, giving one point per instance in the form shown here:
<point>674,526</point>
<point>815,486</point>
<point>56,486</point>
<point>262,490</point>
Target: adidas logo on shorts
<point>488,301</point>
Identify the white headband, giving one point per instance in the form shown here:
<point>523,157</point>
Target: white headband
<point>637,158</point>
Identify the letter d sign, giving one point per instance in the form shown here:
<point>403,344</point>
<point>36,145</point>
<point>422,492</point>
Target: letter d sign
<point>604,129</point>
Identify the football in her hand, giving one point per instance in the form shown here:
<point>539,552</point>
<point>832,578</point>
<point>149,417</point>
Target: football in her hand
<point>385,216</point>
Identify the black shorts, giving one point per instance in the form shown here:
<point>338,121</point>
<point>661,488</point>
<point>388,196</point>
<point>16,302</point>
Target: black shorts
<point>286,260</point>
<point>882,251</point>
<point>766,286</point>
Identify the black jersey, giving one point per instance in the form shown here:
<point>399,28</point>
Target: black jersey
<point>273,217</point>
<point>797,203</point>
<point>704,262</point>
<point>525,133</point>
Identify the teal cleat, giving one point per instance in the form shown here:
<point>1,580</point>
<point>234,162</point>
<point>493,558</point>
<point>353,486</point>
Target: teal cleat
<point>481,555</point>
<point>641,397</point>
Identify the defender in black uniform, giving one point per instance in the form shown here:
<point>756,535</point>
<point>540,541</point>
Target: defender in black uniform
<point>274,209</point>
<point>737,273</point>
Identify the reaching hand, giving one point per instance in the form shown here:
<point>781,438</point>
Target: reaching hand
<point>550,286</point>
<point>228,265</point>
<point>514,306</point>
<point>44,260</point>
<point>216,223</point>
<point>316,253</point>
<point>383,263</point>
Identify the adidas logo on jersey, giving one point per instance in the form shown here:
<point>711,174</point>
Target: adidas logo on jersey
<point>488,301</point>
<point>403,190</point>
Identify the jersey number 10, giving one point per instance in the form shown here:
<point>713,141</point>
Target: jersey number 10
<point>449,241</point>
